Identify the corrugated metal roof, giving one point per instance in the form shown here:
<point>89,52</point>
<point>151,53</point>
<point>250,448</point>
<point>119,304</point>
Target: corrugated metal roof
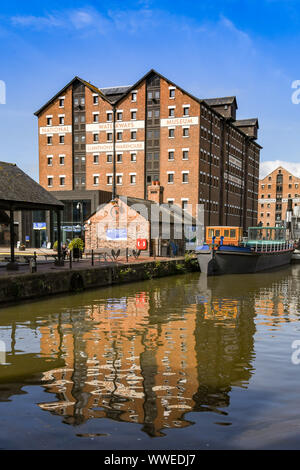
<point>116,90</point>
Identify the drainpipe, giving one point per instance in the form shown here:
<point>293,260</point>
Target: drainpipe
<point>114,154</point>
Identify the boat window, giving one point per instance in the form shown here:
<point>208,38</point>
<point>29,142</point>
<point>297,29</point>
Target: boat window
<point>232,234</point>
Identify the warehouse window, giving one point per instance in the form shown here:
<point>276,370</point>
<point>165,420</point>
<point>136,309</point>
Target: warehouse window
<point>185,177</point>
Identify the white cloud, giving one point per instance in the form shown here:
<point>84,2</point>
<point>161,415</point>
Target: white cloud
<point>228,24</point>
<point>271,165</point>
<point>38,22</point>
<point>79,19</point>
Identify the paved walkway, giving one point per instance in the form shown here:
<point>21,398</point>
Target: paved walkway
<point>48,266</point>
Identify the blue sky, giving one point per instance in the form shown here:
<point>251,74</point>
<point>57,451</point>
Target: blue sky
<point>247,48</point>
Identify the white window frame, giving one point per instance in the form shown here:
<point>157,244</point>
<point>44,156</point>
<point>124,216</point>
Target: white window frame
<point>133,130</point>
<point>50,135</point>
<point>61,155</point>
<point>109,174</point>
<point>96,155</point>
<point>62,176</point>
<point>59,136</point>
<point>119,174</point>
<point>61,98</point>
<point>170,173</point>
<point>134,91</point>
<point>184,172</point>
<point>169,129</point>
<point>133,111</point>
<point>171,159</point>
<point>185,150</point>
<point>132,174</point>
<point>133,153</point>
<point>172,88</point>
<point>96,175</point>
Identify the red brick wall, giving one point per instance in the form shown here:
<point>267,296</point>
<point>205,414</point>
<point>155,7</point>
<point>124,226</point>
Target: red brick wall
<point>95,231</point>
<point>179,190</point>
<point>56,149</point>
<point>126,167</point>
<point>267,188</point>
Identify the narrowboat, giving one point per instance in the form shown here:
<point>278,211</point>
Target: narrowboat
<point>264,248</point>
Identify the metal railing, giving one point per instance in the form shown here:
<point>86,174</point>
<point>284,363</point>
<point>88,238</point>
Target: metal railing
<point>272,247</point>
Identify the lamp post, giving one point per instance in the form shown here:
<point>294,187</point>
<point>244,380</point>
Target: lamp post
<point>80,208</point>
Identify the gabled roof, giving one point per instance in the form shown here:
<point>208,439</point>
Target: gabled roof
<point>153,71</point>
<point>114,95</point>
<point>93,88</point>
<point>176,214</point>
<point>19,191</point>
<point>276,171</point>
<point>221,101</point>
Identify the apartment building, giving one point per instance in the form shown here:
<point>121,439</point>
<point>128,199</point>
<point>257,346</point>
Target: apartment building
<point>274,191</point>
<point>121,139</point>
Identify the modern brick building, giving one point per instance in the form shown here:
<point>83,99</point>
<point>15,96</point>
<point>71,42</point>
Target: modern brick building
<point>274,191</point>
<point>151,131</point>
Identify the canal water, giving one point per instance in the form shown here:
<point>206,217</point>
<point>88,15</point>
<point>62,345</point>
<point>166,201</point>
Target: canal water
<point>181,362</point>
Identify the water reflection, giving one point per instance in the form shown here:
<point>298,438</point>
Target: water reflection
<point>149,357</point>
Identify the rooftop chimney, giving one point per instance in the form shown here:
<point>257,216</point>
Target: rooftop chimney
<point>155,192</point>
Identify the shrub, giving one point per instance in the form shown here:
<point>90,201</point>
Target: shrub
<point>76,243</point>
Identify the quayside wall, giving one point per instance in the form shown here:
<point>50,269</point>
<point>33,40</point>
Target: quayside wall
<point>21,287</point>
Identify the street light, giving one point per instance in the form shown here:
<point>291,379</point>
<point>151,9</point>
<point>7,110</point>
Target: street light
<point>79,207</point>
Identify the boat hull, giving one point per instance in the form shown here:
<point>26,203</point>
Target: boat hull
<point>296,256</point>
<point>228,262</point>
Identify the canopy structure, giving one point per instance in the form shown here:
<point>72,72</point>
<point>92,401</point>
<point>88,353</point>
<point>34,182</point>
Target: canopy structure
<point>20,192</point>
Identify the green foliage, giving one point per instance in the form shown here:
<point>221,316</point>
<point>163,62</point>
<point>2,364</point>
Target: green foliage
<point>125,272</point>
<point>191,262</point>
<point>180,268</point>
<point>76,243</point>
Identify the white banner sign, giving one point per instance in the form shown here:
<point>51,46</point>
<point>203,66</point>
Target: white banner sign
<point>233,179</point>
<point>294,199</point>
<point>261,201</point>
<point>119,147</point>
<point>55,130</point>
<point>188,121</point>
<point>108,126</point>
<point>235,161</point>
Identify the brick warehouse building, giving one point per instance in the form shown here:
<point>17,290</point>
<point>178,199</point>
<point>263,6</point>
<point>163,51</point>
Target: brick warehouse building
<point>274,191</point>
<point>195,148</point>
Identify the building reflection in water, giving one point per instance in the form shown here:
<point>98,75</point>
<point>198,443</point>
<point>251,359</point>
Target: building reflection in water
<point>135,359</point>
<point>154,356</point>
